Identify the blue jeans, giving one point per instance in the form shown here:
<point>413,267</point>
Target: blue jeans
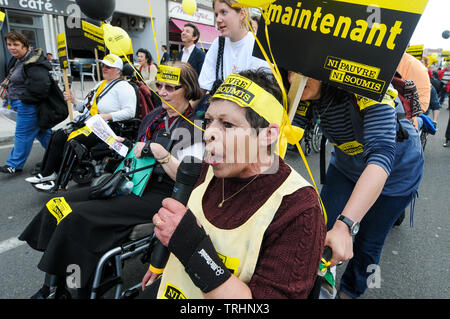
<point>375,227</point>
<point>27,130</point>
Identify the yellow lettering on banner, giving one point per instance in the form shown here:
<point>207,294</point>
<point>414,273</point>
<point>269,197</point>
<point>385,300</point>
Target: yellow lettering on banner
<point>59,208</point>
<point>172,292</point>
<point>337,25</point>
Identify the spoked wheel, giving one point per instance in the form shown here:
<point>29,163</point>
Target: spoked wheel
<point>83,173</point>
<point>316,138</point>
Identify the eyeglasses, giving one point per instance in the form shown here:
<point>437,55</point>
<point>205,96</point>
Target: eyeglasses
<point>169,88</point>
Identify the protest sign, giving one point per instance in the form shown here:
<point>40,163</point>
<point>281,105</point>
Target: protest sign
<point>2,18</point>
<point>353,44</point>
<point>416,51</point>
<point>62,54</point>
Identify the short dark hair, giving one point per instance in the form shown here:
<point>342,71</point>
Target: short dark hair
<point>16,36</point>
<point>147,53</point>
<point>164,46</point>
<point>196,32</point>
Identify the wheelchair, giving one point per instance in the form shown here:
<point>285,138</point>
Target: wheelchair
<point>82,165</point>
<point>109,272</point>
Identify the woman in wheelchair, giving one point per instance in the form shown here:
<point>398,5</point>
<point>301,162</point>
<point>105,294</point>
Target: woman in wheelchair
<point>253,227</point>
<point>113,98</point>
<point>73,230</point>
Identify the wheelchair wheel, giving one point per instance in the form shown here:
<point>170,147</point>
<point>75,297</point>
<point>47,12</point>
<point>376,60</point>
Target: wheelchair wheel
<point>83,173</point>
<point>307,148</point>
<point>316,138</point>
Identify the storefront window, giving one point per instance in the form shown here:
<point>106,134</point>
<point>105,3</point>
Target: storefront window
<point>20,19</point>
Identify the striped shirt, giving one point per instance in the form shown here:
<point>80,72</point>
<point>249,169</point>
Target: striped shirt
<point>374,128</point>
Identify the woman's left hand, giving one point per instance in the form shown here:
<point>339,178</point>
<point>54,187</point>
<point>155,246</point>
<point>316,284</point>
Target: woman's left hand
<point>167,219</point>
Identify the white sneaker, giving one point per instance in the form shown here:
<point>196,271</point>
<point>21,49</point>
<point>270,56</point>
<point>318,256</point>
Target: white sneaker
<point>40,179</point>
<point>46,186</point>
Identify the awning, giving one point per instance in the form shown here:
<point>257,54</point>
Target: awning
<point>207,32</point>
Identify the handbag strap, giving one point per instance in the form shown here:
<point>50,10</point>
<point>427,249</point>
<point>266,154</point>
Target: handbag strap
<point>219,62</point>
<point>140,169</point>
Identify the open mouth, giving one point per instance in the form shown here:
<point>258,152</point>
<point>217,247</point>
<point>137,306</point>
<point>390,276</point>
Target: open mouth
<point>213,159</point>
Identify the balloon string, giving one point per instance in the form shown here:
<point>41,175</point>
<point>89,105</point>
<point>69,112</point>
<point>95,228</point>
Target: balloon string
<point>153,28</point>
<point>143,81</point>
<point>277,75</point>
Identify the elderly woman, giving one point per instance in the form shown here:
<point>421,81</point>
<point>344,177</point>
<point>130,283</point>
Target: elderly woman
<point>113,99</point>
<point>94,226</point>
<point>28,82</point>
<point>253,227</point>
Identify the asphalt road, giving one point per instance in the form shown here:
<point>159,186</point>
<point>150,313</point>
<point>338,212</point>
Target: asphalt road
<point>414,264</point>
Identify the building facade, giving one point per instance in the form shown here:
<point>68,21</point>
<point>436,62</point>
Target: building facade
<point>42,20</point>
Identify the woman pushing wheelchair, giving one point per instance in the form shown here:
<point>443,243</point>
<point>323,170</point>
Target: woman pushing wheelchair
<point>74,230</point>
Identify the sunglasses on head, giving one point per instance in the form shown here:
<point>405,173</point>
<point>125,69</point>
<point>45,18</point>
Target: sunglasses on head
<point>169,88</point>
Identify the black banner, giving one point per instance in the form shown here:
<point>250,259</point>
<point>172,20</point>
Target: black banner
<point>353,44</point>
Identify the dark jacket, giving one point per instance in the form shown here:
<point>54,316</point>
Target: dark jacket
<point>37,79</point>
<point>196,59</point>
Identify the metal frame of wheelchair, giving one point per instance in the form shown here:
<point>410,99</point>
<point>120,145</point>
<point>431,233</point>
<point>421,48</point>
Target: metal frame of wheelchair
<point>116,258</point>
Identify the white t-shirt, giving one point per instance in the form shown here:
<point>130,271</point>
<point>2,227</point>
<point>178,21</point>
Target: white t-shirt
<point>237,57</point>
<point>119,101</point>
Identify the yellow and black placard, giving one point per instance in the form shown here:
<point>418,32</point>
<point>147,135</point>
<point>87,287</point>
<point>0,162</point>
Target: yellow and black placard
<point>2,19</point>
<point>416,51</point>
<point>62,50</point>
<point>93,33</point>
<point>353,44</point>
<point>59,208</point>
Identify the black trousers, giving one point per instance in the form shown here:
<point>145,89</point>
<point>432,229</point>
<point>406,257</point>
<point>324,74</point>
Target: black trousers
<point>55,150</point>
<point>90,230</point>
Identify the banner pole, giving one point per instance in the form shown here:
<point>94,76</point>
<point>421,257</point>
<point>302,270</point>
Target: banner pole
<point>295,93</point>
<point>97,64</point>
<point>66,86</point>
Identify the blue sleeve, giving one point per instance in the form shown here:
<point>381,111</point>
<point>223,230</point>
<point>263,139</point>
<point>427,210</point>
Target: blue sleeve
<point>380,136</point>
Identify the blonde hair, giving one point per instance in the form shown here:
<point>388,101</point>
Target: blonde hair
<point>229,3</point>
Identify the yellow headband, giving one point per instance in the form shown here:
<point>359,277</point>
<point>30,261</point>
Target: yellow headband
<point>168,74</point>
<point>247,93</point>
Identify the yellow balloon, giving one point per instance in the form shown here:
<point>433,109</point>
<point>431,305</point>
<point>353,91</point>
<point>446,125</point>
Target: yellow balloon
<point>189,6</point>
<point>116,40</point>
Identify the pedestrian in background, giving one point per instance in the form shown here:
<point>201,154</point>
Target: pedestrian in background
<point>165,57</point>
<point>27,84</point>
<point>190,53</point>
<point>148,68</point>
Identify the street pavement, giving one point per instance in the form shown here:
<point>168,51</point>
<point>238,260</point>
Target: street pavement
<point>414,263</point>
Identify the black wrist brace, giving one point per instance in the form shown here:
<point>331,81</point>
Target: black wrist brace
<point>195,250</point>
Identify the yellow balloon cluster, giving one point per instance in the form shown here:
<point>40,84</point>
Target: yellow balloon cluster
<point>189,6</point>
<point>117,40</point>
